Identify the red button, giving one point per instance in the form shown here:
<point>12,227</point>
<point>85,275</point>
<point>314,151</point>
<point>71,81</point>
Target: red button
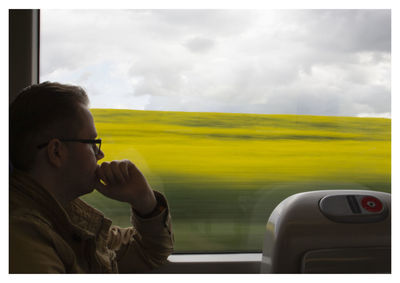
<point>371,204</point>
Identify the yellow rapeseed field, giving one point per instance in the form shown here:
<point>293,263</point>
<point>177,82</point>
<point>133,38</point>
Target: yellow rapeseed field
<point>224,173</point>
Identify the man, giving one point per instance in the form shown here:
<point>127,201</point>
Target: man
<point>54,154</point>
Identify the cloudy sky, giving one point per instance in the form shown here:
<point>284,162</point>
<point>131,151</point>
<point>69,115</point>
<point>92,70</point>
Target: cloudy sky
<point>318,62</point>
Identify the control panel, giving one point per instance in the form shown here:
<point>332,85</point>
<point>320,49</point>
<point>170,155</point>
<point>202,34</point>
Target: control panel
<point>353,208</point>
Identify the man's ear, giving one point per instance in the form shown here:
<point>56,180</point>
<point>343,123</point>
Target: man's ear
<point>56,152</point>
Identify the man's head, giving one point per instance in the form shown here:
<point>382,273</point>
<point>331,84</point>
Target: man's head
<point>39,113</point>
<point>46,114</point>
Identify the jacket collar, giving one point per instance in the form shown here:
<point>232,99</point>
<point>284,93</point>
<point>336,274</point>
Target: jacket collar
<point>78,217</point>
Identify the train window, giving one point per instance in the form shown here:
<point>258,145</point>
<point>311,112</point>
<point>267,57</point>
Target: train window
<point>228,112</point>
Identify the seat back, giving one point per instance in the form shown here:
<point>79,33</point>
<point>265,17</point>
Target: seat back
<point>331,231</point>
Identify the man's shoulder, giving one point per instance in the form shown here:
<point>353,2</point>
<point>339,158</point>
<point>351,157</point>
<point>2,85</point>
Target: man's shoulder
<point>26,216</point>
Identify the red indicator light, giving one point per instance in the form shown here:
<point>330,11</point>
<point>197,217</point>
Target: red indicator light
<point>371,204</point>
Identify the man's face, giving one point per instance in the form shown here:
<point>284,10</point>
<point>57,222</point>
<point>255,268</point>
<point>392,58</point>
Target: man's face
<point>82,162</point>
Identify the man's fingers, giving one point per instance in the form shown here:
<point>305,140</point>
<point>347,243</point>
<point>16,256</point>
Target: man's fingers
<point>101,176</point>
<point>116,171</point>
<point>101,187</point>
<point>124,169</point>
<point>125,182</point>
<point>107,172</point>
<point>132,169</point>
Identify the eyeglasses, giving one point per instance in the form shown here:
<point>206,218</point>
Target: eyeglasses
<point>95,143</point>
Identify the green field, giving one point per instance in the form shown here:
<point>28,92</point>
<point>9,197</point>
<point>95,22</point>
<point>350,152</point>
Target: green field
<point>224,173</point>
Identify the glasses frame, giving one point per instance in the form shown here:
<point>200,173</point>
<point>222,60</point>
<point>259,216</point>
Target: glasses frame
<point>87,141</point>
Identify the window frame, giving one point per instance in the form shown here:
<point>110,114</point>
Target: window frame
<point>24,48</point>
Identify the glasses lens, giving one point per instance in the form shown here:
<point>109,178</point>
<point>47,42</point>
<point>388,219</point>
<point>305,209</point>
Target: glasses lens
<point>97,148</point>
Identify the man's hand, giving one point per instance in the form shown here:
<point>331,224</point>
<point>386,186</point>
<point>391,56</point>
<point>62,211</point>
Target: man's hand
<point>124,182</point>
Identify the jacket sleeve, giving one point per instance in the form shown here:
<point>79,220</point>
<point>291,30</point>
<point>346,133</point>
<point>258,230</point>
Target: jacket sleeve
<point>146,245</point>
<point>32,249</point>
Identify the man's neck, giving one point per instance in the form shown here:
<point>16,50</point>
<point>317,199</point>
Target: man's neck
<point>53,186</point>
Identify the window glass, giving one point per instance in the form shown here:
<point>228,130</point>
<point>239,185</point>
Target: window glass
<point>228,112</point>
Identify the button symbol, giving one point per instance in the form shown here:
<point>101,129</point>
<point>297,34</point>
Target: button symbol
<point>371,204</point>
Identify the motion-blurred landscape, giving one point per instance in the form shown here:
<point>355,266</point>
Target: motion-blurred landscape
<point>224,173</point>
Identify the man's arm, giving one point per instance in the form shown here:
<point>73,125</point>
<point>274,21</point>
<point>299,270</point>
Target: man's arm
<point>144,246</point>
<point>149,242</point>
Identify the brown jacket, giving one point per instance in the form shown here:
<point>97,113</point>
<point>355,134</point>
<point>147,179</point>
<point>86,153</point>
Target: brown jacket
<point>45,238</point>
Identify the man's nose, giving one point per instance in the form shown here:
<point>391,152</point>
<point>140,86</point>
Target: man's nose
<point>100,155</point>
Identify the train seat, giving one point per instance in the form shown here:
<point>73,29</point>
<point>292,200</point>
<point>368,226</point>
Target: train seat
<point>332,231</point>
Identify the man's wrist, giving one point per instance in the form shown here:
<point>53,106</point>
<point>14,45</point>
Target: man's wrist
<point>157,210</point>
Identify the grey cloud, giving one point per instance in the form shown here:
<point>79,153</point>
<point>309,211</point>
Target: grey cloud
<point>214,22</point>
<point>307,37</point>
<point>199,44</point>
<point>347,30</point>
<point>159,75</point>
<point>320,62</point>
